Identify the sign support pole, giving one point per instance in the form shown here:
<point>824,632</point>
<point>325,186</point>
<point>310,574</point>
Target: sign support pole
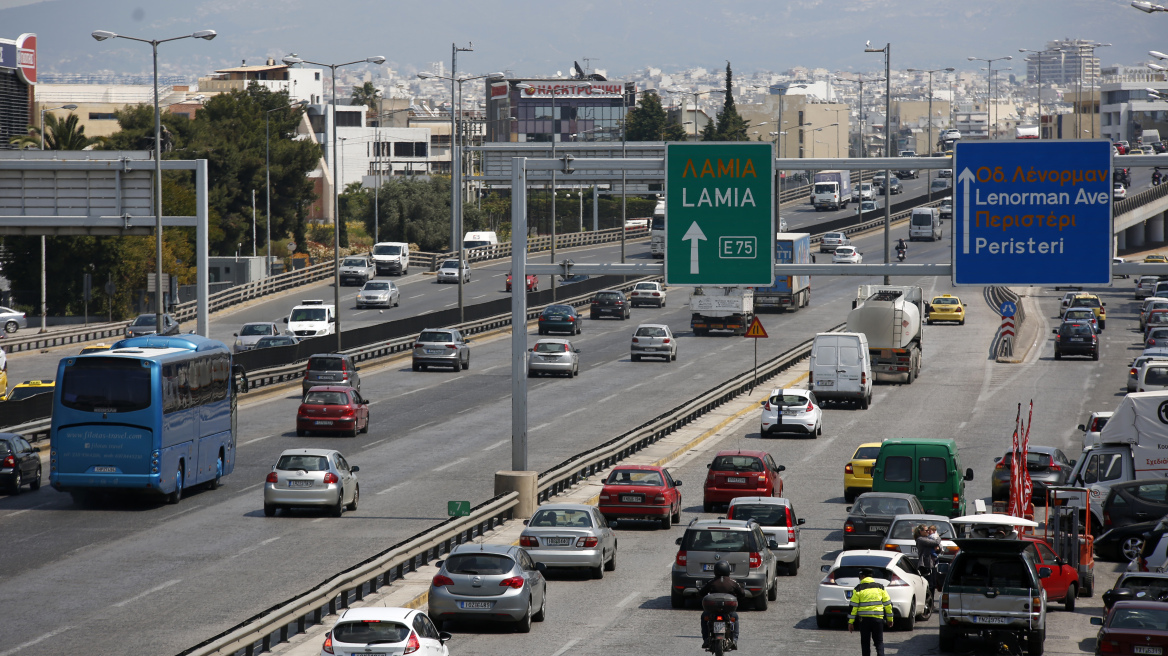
<point>754,380</point>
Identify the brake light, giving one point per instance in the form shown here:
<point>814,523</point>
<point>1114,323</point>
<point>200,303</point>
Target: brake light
<point>829,579</point>
<point>1004,463</point>
<point>755,560</point>
<point>848,469</point>
<point>542,318</point>
<point>1054,466</point>
<point>1133,372</point>
<point>762,479</point>
<point>660,498</point>
<point>441,580</point>
<point>330,478</point>
<point>327,647</point>
<point>945,601</point>
<point>603,497</point>
<point>863,378</point>
<point>656,294</point>
<point>571,319</point>
<point>586,543</point>
<point>512,582</point>
<point>451,346</point>
<point>344,366</point>
<point>1036,604</point>
<point>528,541</point>
<point>810,407</point>
<point>956,501</point>
<point>768,405</point>
<point>419,344</point>
<point>665,341</point>
<point>620,302</point>
<point>413,645</point>
<point>272,477</point>
<point>1109,647</point>
<point>681,559</point>
<point>849,527</point>
<point>10,461</point>
<point>790,520</point>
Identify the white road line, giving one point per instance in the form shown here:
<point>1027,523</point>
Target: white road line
<point>627,600</point>
<point>255,440</point>
<point>422,425</point>
<point>18,512</point>
<point>608,398</point>
<point>541,426</point>
<point>251,487</point>
<point>391,488</point>
<point>151,591</point>
<point>460,412</point>
<point>451,304</point>
<point>34,641</point>
<point>490,368</point>
<point>417,296</point>
<point>377,442</point>
<point>498,444</point>
<point>318,519</point>
<point>498,275</point>
<point>451,464</point>
<point>577,410</point>
<point>254,547</point>
<point>479,296</point>
<point>567,645</point>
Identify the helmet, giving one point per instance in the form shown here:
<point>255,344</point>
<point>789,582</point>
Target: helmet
<point>865,572</point>
<point>722,569</point>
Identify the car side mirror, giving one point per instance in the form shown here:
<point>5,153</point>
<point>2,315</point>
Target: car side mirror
<point>355,468</point>
<point>782,468</point>
<point>1054,332</point>
<point>577,350</point>
<point>541,568</point>
<point>969,474</point>
<point>526,521</point>
<point>800,522</point>
<point>772,544</point>
<point>438,563</point>
<point>332,319</point>
<point>1083,428</point>
<point>443,636</point>
<point>676,483</point>
<point>709,465</point>
<point>285,319</point>
<point>997,458</point>
<point>235,334</point>
<point>1097,621</point>
<point>825,568</point>
<point>943,568</point>
<point>1073,462</point>
<point>848,509</point>
<point>677,541</point>
<point>1102,305</point>
<point>1044,572</point>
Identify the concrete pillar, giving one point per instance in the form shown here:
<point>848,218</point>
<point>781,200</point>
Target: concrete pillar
<point>1156,229</point>
<point>523,482</point>
<point>1135,236</point>
<point>1120,241</point>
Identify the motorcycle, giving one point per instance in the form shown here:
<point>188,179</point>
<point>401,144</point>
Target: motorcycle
<point>1156,179</point>
<point>901,254</point>
<point>718,608</point>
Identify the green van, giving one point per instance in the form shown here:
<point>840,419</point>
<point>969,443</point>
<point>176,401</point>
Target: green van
<point>928,468</point>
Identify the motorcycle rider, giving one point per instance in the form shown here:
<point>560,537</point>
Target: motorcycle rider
<point>1156,177</point>
<point>901,247</point>
<point>721,583</point>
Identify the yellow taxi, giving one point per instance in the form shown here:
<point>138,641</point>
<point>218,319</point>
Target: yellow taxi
<point>1156,259</point>
<point>95,348</point>
<point>858,471</point>
<point>30,388</point>
<point>946,307</point>
<point>1092,301</point>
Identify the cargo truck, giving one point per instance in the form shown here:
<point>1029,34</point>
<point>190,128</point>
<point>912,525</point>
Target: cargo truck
<point>657,231</point>
<point>831,190</point>
<point>791,292</point>
<point>721,308</point>
<point>890,317</point>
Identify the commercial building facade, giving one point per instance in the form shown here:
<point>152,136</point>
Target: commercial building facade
<point>18,76</point>
<point>581,113</point>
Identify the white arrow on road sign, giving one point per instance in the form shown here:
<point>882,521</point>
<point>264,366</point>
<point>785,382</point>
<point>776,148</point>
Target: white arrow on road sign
<point>693,235</point>
<point>966,177</point>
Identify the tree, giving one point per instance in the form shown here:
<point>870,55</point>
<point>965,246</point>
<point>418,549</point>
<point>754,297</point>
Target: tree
<point>367,95</point>
<point>59,135</point>
<point>731,126</point>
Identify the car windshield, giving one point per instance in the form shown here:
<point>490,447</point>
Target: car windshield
<point>867,453</point>
<point>945,301</point>
<point>990,571</point>
<point>764,514</point>
<point>326,398</point>
<point>385,249</point>
<point>551,347</point>
<point>903,530</point>
<point>478,563</point>
<point>736,464</point>
<point>307,314</point>
<point>1085,301</point>
<point>354,262</point>
<point>562,518</point>
<point>788,400</point>
<point>559,309</point>
<point>635,477</point>
<point>326,363</point>
<point>718,540</point>
<point>853,572</point>
<point>450,264</point>
<point>650,331</point>
<point>376,287</point>
<point>302,462</point>
<point>608,296</point>
<point>1076,329</point>
<point>371,631</point>
<point>100,384</point>
<point>651,286</point>
<point>436,337</point>
<point>1147,619</point>
<point>256,329</point>
<point>144,320</point>
<point>274,341</point>
<point>882,506</point>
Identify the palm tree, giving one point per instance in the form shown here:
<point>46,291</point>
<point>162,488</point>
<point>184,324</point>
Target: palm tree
<point>59,135</point>
<point>367,95</point>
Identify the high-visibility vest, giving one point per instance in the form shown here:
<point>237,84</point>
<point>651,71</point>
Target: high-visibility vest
<point>867,600</point>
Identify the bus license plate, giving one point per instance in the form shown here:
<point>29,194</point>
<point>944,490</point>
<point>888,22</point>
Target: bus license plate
<point>299,483</point>
<point>469,605</point>
<point>106,470</point>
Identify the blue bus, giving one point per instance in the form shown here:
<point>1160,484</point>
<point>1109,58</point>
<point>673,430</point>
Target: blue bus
<point>153,413</point>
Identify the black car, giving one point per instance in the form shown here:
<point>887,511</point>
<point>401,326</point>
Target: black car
<point>331,369</point>
<point>1047,466</point>
<point>1075,338</point>
<point>610,303</point>
<point>20,463</point>
<point>869,518</point>
<point>1134,502</point>
<point>1126,543</point>
<point>276,340</point>
<point>1129,584</point>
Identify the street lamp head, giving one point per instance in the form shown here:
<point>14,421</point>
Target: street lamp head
<point>972,58</point>
<point>497,74</point>
<point>375,60</point>
<point>1157,67</point>
<point>291,60</point>
<point>1145,7</point>
<point>1157,54</point>
<point>70,107</point>
<point>102,35</point>
<point>522,85</point>
<point>1008,57</point>
<point>949,69</point>
<point>426,75</point>
<point>205,34</point>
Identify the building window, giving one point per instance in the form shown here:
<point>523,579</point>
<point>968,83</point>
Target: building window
<point>102,116</point>
<point>348,119</point>
<point>318,76</point>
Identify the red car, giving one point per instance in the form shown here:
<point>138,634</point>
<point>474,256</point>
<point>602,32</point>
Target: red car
<point>1133,627</point>
<point>736,474</point>
<point>532,282</point>
<point>1063,582</point>
<point>332,409</point>
<point>641,492</point>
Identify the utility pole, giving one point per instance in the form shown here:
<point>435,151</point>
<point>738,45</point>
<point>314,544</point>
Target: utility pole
<point>887,50</point>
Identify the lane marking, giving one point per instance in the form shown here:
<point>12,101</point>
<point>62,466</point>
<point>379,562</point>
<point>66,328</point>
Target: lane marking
<point>34,641</point>
<point>544,425</point>
<point>377,442</point>
<point>18,512</point>
<point>497,444</point>
<point>181,512</point>
<point>461,412</point>
<point>608,398</point>
<point>391,488</point>
<point>255,440</point>
<point>422,425</point>
<point>577,410</point>
<point>254,547</point>
<point>567,645</point>
<point>250,487</point>
<point>624,602</point>
<point>151,591</point>
<point>479,296</point>
<point>452,463</point>
<point>418,296</point>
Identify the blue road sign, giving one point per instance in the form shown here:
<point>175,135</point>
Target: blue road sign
<point>1008,309</point>
<point>1032,213</point>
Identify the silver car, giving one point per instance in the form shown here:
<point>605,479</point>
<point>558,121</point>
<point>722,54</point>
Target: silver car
<point>443,347</point>
<point>648,293</point>
<point>832,241</point>
<point>357,270</point>
<point>312,478</point>
<point>900,534</point>
<point>570,535</point>
<point>143,324</point>
<point>448,272</point>
<point>489,582</point>
<point>378,293</point>
<point>553,356</point>
<point>251,333</point>
<point>653,340</point>
<point>777,518</point>
<point>13,320</point>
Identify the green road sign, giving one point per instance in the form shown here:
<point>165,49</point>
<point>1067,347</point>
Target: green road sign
<point>719,214</point>
<point>457,508</point>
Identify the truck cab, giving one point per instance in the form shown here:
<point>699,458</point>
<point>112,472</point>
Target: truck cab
<point>657,231</point>
<point>1098,469</point>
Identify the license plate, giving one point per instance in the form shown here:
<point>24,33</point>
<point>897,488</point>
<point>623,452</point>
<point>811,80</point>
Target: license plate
<point>878,529</point>
<point>433,350</point>
<point>1078,339</point>
<point>720,627</point>
<point>1140,649</point>
<point>709,567</point>
<point>106,470</point>
<point>825,383</point>
<point>550,358</point>
<point>299,483</point>
<point>980,619</point>
<point>468,605</point>
<point>735,479</point>
<point>632,498</point>
<point>324,423</point>
<point>868,471</point>
<point>557,542</point>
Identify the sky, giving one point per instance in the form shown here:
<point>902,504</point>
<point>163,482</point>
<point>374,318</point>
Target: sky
<point>530,38</point>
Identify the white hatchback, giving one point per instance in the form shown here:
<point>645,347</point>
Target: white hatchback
<point>388,630</point>
<point>847,255</point>
<point>911,595</point>
<point>791,411</point>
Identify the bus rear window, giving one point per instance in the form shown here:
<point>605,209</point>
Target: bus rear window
<point>106,385</point>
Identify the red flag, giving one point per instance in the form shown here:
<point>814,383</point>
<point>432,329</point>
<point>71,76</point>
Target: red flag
<point>1027,484</point>
<point>1015,474</point>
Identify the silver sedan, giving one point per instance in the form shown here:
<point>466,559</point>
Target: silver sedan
<point>378,293</point>
<point>570,535</point>
<point>652,340</point>
<point>312,478</point>
<point>13,320</point>
<point>553,356</point>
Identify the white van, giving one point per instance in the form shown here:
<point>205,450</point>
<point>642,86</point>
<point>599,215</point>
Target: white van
<point>391,257</point>
<point>479,240</point>
<point>840,369</point>
<point>312,318</point>
<point>1152,376</point>
<point>925,224</point>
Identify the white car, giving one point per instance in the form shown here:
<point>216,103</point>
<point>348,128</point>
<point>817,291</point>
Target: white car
<point>776,517</point>
<point>386,630</point>
<point>868,206</point>
<point>553,356</point>
<point>1066,300</point>
<point>1099,419</point>
<point>648,293</point>
<point>448,272</point>
<point>1120,192</point>
<point>864,192</point>
<point>312,318</point>
<point>791,410</point>
<point>900,536</point>
<point>847,255</point>
<point>945,173</point>
<point>912,598</point>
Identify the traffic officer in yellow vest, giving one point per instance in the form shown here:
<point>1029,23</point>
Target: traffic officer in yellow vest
<point>867,599</point>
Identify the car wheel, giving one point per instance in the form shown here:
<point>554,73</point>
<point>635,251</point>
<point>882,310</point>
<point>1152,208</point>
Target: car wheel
<point>1088,583</point>
<point>365,428</point>
<point>610,566</point>
<point>865,402</point>
<point>677,515</point>
<point>667,522</point>
<point>541,331</point>
<point>530,374</point>
<point>338,509</point>
<point>849,496</point>
<point>176,496</point>
<point>676,599</point>
<point>707,507</point>
<point>356,496</point>
<point>353,433</point>
<point>908,622</point>
<point>300,433</point>
<point>11,327</point>
<point>598,571</point>
<point>269,510</point>
<point>542,614</point>
<point>673,357</point>
<point>17,483</point>
<point>928,609</point>
<point>636,358</point>
<point>214,483</point>
<point>1058,356</point>
<point>524,623</point>
<point>773,591</point>
<point>576,371</point>
<point>466,365</point>
<point>1034,643</point>
<point>1069,601</point>
<point>792,570</point>
<point>822,621</point>
<point>761,602</point>
<point>819,430</point>
<point>35,484</point>
<point>946,639</point>
<point>425,367</point>
<point>928,321</point>
<point>1102,325</point>
<point>1095,355</point>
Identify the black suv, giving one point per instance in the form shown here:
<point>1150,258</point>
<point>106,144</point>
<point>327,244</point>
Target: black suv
<point>331,369</point>
<point>1135,502</point>
<point>21,461</point>
<point>611,303</point>
<point>1075,338</point>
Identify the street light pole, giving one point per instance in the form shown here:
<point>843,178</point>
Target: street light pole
<point>991,125</point>
<point>1039,58</point>
<point>44,283</point>
<point>102,35</point>
<point>887,50</point>
<point>929,174</point>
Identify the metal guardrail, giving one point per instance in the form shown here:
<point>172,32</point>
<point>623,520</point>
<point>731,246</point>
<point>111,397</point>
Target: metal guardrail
<point>258,633</point>
<point>534,245</point>
<point>79,335</point>
<point>876,223</point>
<point>256,289</point>
<point>1143,198</point>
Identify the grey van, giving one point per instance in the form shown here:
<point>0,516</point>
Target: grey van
<point>840,368</point>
